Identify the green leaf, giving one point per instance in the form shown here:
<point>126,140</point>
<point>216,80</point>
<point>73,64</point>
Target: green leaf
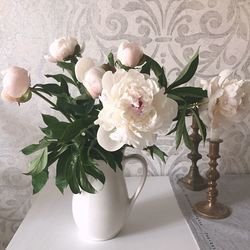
<point>118,157</point>
<point>54,146</point>
<point>162,79</point>
<point>118,62</point>
<point>82,98</point>
<point>95,172</point>
<point>52,157</point>
<point>64,87</point>
<point>142,60</point>
<point>173,130</point>
<point>77,51</point>
<point>187,73</point>
<point>60,77</point>
<point>176,98</point>
<point>39,180</point>
<point>180,128</point>
<point>70,67</point>
<point>83,180</point>
<point>50,88</point>
<point>187,95</point>
<point>186,138</point>
<point>75,107</point>
<point>35,147</point>
<point>157,69</point>
<point>89,165</point>
<point>50,120</point>
<point>82,108</point>
<point>61,168</point>
<point>155,66</point>
<point>55,128</point>
<point>66,65</point>
<point>111,59</point>
<point>37,165</point>
<point>75,128</point>
<point>154,150</point>
<point>71,174</point>
<point>201,125</point>
<point>146,68</point>
<point>188,91</point>
<point>105,156</point>
<point>47,132</point>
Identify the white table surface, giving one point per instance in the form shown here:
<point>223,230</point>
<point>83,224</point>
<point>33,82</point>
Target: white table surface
<point>155,222</point>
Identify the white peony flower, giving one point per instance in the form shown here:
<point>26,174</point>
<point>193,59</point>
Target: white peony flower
<point>134,111</point>
<point>129,53</point>
<point>61,48</point>
<point>90,75</point>
<point>228,101</point>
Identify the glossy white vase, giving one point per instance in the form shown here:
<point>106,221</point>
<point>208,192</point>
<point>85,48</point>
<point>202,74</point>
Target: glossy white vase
<point>101,216</point>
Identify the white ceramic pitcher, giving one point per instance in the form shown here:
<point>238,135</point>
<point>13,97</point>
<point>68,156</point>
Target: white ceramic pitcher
<point>102,215</point>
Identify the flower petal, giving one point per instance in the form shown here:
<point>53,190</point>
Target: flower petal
<point>224,75</point>
<point>203,84</point>
<point>104,140</point>
<point>107,81</point>
<point>93,81</point>
<point>82,66</point>
<point>5,97</point>
<point>49,58</point>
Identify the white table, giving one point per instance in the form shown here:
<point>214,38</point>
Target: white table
<point>155,222</point>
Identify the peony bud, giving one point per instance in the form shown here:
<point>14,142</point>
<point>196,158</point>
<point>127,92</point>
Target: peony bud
<point>82,66</point>
<point>16,83</point>
<point>93,81</point>
<point>61,48</point>
<point>129,54</point>
<point>90,75</point>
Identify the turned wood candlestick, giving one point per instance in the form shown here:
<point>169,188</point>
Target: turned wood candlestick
<point>193,180</point>
<point>211,208</point>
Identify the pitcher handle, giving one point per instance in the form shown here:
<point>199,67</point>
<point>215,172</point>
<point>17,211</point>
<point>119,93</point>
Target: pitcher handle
<point>143,177</point>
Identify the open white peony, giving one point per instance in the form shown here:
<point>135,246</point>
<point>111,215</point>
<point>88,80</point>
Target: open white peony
<point>134,110</point>
<point>228,101</point>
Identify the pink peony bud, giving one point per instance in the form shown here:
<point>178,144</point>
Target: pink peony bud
<point>61,48</point>
<point>93,81</point>
<point>90,76</point>
<point>129,53</point>
<point>16,82</point>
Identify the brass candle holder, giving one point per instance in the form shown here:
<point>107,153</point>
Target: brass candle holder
<point>211,208</point>
<point>193,180</point>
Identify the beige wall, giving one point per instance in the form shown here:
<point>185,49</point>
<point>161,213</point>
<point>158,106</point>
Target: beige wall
<point>169,30</point>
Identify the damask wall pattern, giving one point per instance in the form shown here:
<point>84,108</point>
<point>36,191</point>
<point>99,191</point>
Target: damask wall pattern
<point>169,30</point>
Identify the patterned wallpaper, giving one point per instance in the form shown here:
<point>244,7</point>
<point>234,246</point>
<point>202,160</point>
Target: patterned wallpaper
<point>169,30</point>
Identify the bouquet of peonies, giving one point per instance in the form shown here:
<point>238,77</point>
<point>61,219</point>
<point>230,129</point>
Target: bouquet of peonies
<point>126,102</point>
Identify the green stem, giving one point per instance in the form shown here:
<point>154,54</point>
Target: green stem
<point>50,102</point>
<point>193,105</point>
<point>88,132</point>
<point>43,97</point>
